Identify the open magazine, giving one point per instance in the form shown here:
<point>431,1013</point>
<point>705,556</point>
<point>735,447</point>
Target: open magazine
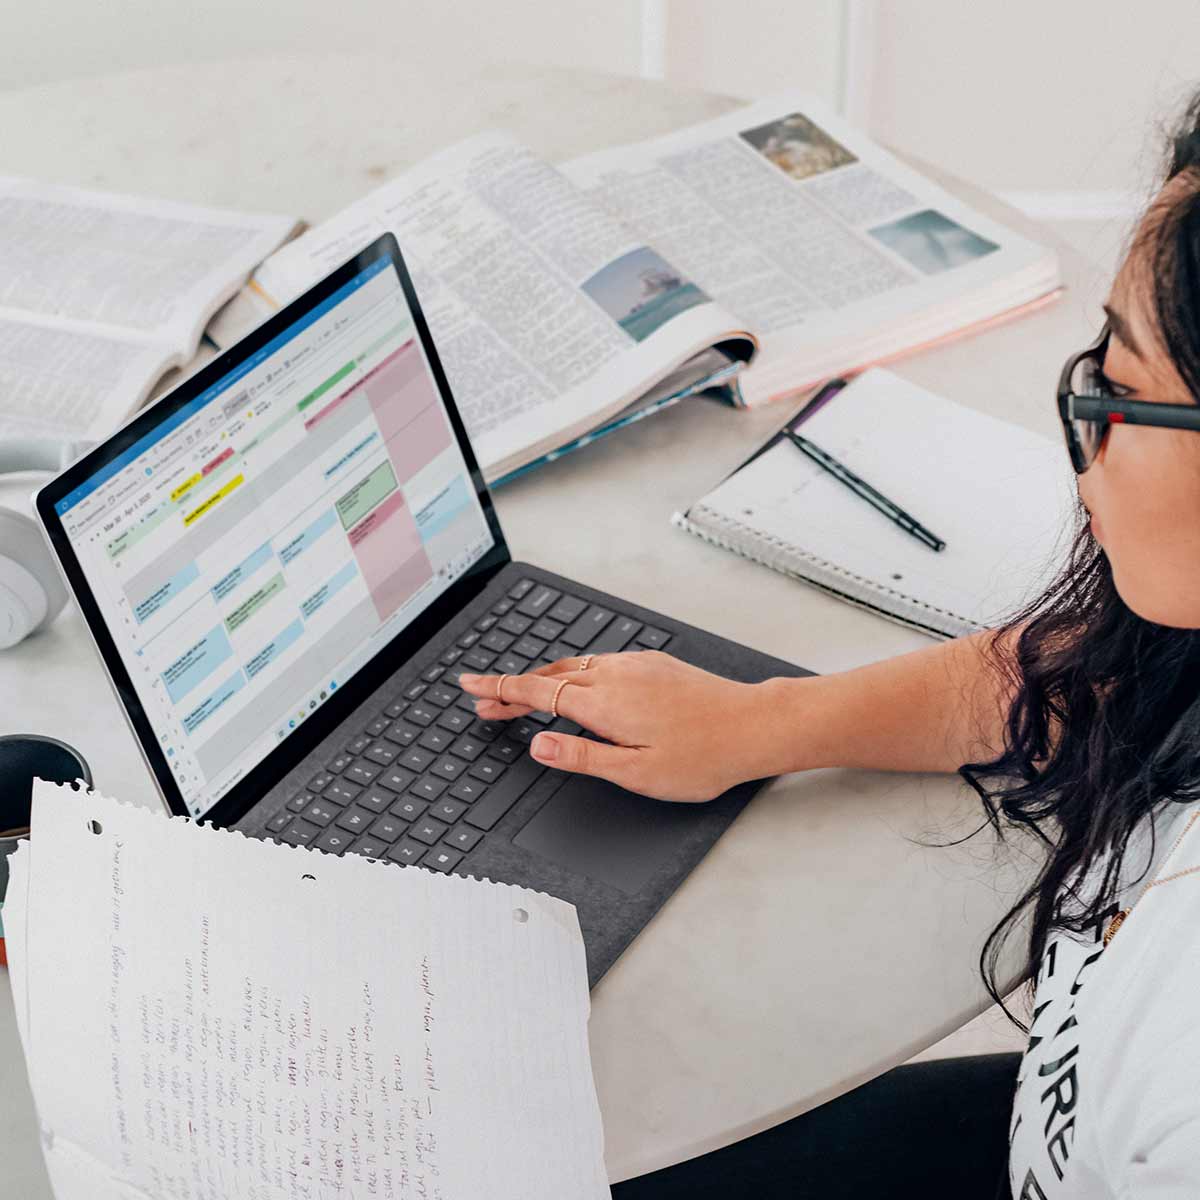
<point>756,254</point>
<point>101,294</point>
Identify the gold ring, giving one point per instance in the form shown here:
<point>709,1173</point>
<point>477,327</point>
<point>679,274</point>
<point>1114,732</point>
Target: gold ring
<point>562,683</point>
<point>500,688</point>
<point>587,658</point>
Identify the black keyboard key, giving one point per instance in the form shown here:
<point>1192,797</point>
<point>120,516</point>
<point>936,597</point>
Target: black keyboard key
<point>616,637</point>
<point>510,664</point>
<point>416,758</point>
<point>448,767</point>
<point>320,781</point>
<point>369,847</point>
<point>560,649</point>
<point>567,609</point>
<point>515,624</point>
<point>468,748</point>
<point>462,837</point>
<point>487,731</point>
<point>523,730</point>
<point>403,734</point>
<point>428,788</point>
<point>547,630</point>
<point>488,770</point>
<point>413,690</point>
<point>520,590</point>
<point>441,695</point>
<point>466,702</point>
<point>409,808</point>
<point>448,810</point>
<point>341,791</point>
<point>502,606</point>
<point>476,661</point>
<point>468,639</point>
<point>653,639</point>
<point>421,714</point>
<point>468,789</point>
<point>280,821</point>
<point>588,626</point>
<point>301,800</point>
<point>456,720</point>
<point>363,772</point>
<point>451,656</point>
<point>396,778</point>
<point>300,832</point>
<point>320,812</point>
<point>377,799</point>
<point>505,750</point>
<point>497,640</point>
<point>486,623</point>
<point>539,602</point>
<point>388,828</point>
<point>334,840</point>
<point>529,647</point>
<point>441,858</point>
<point>378,727</point>
<point>432,674</point>
<point>427,830</point>
<point>503,794</point>
<point>395,709</point>
<point>356,819</point>
<point>357,745</point>
<point>339,764</point>
<point>382,754</point>
<point>542,718</point>
<point>436,739</point>
<point>407,851</point>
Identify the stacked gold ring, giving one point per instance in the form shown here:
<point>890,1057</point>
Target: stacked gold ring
<point>586,661</point>
<point>500,687</point>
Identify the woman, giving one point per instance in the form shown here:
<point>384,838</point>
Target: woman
<point>1081,718</point>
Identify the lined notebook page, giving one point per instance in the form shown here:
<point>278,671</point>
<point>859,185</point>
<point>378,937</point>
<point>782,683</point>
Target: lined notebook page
<point>211,1016</point>
<point>1001,498</point>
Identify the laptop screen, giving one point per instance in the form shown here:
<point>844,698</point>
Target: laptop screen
<point>258,546</point>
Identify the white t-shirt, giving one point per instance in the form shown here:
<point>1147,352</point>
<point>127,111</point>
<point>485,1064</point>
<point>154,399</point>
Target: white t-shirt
<point>1108,1095</point>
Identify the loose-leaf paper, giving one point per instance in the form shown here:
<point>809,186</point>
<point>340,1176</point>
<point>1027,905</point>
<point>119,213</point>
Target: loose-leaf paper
<point>208,1016</point>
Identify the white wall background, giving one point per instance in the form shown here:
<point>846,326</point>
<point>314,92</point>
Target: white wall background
<point>1055,104</point>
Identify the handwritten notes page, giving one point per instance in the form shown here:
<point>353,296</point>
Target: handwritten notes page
<point>207,1017</point>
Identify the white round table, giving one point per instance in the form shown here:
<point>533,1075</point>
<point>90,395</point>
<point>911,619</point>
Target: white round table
<point>819,943</point>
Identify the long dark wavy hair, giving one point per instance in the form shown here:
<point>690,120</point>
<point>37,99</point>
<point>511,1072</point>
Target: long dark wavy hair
<point>1104,725</point>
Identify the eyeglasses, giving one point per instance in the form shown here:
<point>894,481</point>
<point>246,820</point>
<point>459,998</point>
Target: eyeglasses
<point>1088,406</point>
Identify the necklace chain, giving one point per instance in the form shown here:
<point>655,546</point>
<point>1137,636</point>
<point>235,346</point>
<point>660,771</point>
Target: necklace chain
<point>1121,917</point>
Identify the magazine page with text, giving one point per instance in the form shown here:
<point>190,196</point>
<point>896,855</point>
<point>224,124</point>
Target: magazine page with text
<point>549,315</point>
<point>830,249</point>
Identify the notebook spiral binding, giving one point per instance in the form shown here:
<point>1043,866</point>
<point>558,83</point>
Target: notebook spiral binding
<point>788,559</point>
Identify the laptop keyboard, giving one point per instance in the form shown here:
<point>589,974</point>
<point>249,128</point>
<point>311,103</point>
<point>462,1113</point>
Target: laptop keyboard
<point>426,780</point>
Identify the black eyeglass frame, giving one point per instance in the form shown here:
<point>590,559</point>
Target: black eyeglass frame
<point>1109,409</point>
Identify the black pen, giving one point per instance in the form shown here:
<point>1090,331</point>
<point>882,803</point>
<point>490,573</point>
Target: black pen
<point>860,487</point>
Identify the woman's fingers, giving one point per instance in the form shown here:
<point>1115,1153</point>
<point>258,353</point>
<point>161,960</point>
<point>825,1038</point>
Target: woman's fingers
<point>533,691</point>
<point>617,764</point>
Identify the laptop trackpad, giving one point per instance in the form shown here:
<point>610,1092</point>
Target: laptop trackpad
<point>600,830</point>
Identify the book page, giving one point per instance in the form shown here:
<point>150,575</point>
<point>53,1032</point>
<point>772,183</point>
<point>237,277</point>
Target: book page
<point>547,313</point>
<point>210,1016</point>
<point>67,383</point>
<point>832,251</point>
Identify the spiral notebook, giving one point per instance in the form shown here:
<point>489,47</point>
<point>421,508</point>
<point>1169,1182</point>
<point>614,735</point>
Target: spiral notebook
<point>1002,498</point>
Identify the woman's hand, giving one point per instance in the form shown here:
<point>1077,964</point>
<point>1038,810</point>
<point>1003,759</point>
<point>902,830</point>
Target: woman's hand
<point>677,732</point>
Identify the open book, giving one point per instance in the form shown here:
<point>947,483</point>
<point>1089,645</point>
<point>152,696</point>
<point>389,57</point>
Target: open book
<point>756,253</point>
<point>101,294</point>
<point>211,1017</point>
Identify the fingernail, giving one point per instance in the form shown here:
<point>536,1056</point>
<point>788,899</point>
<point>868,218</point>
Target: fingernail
<point>544,747</point>
<point>468,679</point>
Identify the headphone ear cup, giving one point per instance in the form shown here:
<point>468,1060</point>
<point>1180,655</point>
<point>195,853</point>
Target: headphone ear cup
<point>31,591</point>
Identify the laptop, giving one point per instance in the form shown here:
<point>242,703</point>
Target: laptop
<point>286,562</point>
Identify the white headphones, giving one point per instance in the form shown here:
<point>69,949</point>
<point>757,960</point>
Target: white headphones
<point>32,593</point>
